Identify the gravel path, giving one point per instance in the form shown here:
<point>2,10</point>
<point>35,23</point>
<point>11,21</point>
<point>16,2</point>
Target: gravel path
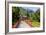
<point>23,24</point>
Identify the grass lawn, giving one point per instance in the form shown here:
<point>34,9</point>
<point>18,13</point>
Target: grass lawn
<point>35,24</point>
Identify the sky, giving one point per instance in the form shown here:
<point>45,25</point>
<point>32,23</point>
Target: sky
<point>32,8</point>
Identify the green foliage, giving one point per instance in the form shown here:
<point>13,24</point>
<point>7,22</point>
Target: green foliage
<point>35,16</point>
<point>35,24</point>
<point>15,14</point>
<point>28,16</point>
<point>23,12</point>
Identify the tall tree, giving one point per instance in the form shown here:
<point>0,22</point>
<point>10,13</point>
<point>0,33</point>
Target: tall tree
<point>15,14</point>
